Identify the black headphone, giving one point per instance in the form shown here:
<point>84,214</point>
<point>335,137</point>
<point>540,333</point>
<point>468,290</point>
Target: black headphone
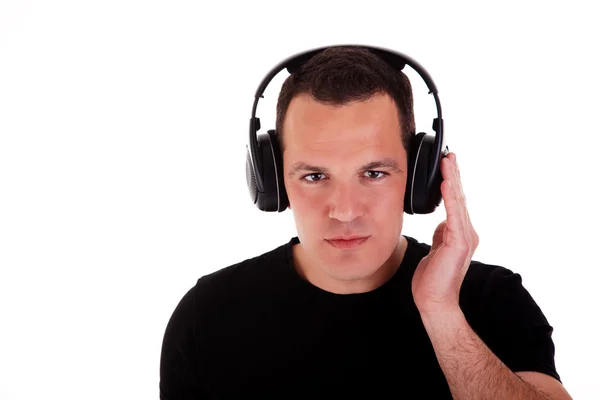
<point>264,161</point>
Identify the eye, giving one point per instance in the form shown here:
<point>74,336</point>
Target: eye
<point>316,177</point>
<point>375,172</point>
<point>311,175</point>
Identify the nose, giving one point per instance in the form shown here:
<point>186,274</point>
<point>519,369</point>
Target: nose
<point>346,203</point>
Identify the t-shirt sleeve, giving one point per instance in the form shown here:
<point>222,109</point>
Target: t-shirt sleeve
<point>179,375</point>
<point>516,329</point>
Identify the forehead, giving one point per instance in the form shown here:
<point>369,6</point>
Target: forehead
<point>359,128</point>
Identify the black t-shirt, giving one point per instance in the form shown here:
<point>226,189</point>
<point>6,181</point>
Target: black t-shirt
<point>256,329</point>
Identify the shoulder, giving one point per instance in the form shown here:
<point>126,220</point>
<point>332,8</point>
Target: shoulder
<point>479,273</point>
<point>485,277</point>
<point>489,284</point>
<point>485,284</point>
<point>261,273</point>
<point>231,289</point>
<point>497,304</point>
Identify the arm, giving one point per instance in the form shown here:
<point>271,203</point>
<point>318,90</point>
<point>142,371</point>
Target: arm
<point>179,375</point>
<point>471,369</point>
<point>474,372</point>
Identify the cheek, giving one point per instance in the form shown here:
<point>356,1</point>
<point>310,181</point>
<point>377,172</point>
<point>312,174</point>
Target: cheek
<point>305,204</point>
<point>387,205</point>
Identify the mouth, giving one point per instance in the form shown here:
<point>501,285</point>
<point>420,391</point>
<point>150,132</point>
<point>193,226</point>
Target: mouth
<point>350,242</point>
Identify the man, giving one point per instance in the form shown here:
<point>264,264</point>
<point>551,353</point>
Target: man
<point>351,308</point>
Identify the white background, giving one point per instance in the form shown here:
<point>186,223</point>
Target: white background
<point>123,127</point>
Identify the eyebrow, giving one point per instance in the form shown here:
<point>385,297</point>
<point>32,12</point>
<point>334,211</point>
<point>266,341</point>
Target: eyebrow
<point>389,163</point>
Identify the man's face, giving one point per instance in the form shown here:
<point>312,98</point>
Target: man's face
<point>343,195</point>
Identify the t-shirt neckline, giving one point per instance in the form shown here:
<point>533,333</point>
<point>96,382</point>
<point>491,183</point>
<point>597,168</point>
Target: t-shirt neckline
<point>407,267</point>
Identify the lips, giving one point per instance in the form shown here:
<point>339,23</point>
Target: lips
<point>350,243</point>
<point>347,237</point>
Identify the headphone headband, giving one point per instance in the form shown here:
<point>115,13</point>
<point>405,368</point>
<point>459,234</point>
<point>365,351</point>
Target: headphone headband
<point>395,59</point>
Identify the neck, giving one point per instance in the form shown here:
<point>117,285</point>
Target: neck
<point>311,272</point>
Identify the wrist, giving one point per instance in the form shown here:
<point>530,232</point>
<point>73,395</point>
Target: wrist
<point>436,309</point>
<point>447,318</point>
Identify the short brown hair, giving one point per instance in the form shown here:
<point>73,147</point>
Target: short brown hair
<point>341,74</point>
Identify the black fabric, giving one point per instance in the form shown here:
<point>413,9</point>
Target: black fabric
<point>257,330</point>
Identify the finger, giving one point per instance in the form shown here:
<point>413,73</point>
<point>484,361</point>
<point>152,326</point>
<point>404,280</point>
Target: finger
<point>454,233</point>
<point>452,175</point>
<point>461,193</point>
<point>470,234</point>
<point>438,235</point>
<point>457,178</point>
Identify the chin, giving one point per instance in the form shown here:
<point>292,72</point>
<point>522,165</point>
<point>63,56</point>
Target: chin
<point>348,265</point>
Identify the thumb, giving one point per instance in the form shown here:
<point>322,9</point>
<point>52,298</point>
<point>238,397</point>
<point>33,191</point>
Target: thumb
<point>438,235</point>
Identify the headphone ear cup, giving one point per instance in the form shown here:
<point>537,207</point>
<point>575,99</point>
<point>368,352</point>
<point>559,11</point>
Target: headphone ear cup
<point>419,198</point>
<point>251,177</point>
<point>275,146</point>
<point>274,196</point>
